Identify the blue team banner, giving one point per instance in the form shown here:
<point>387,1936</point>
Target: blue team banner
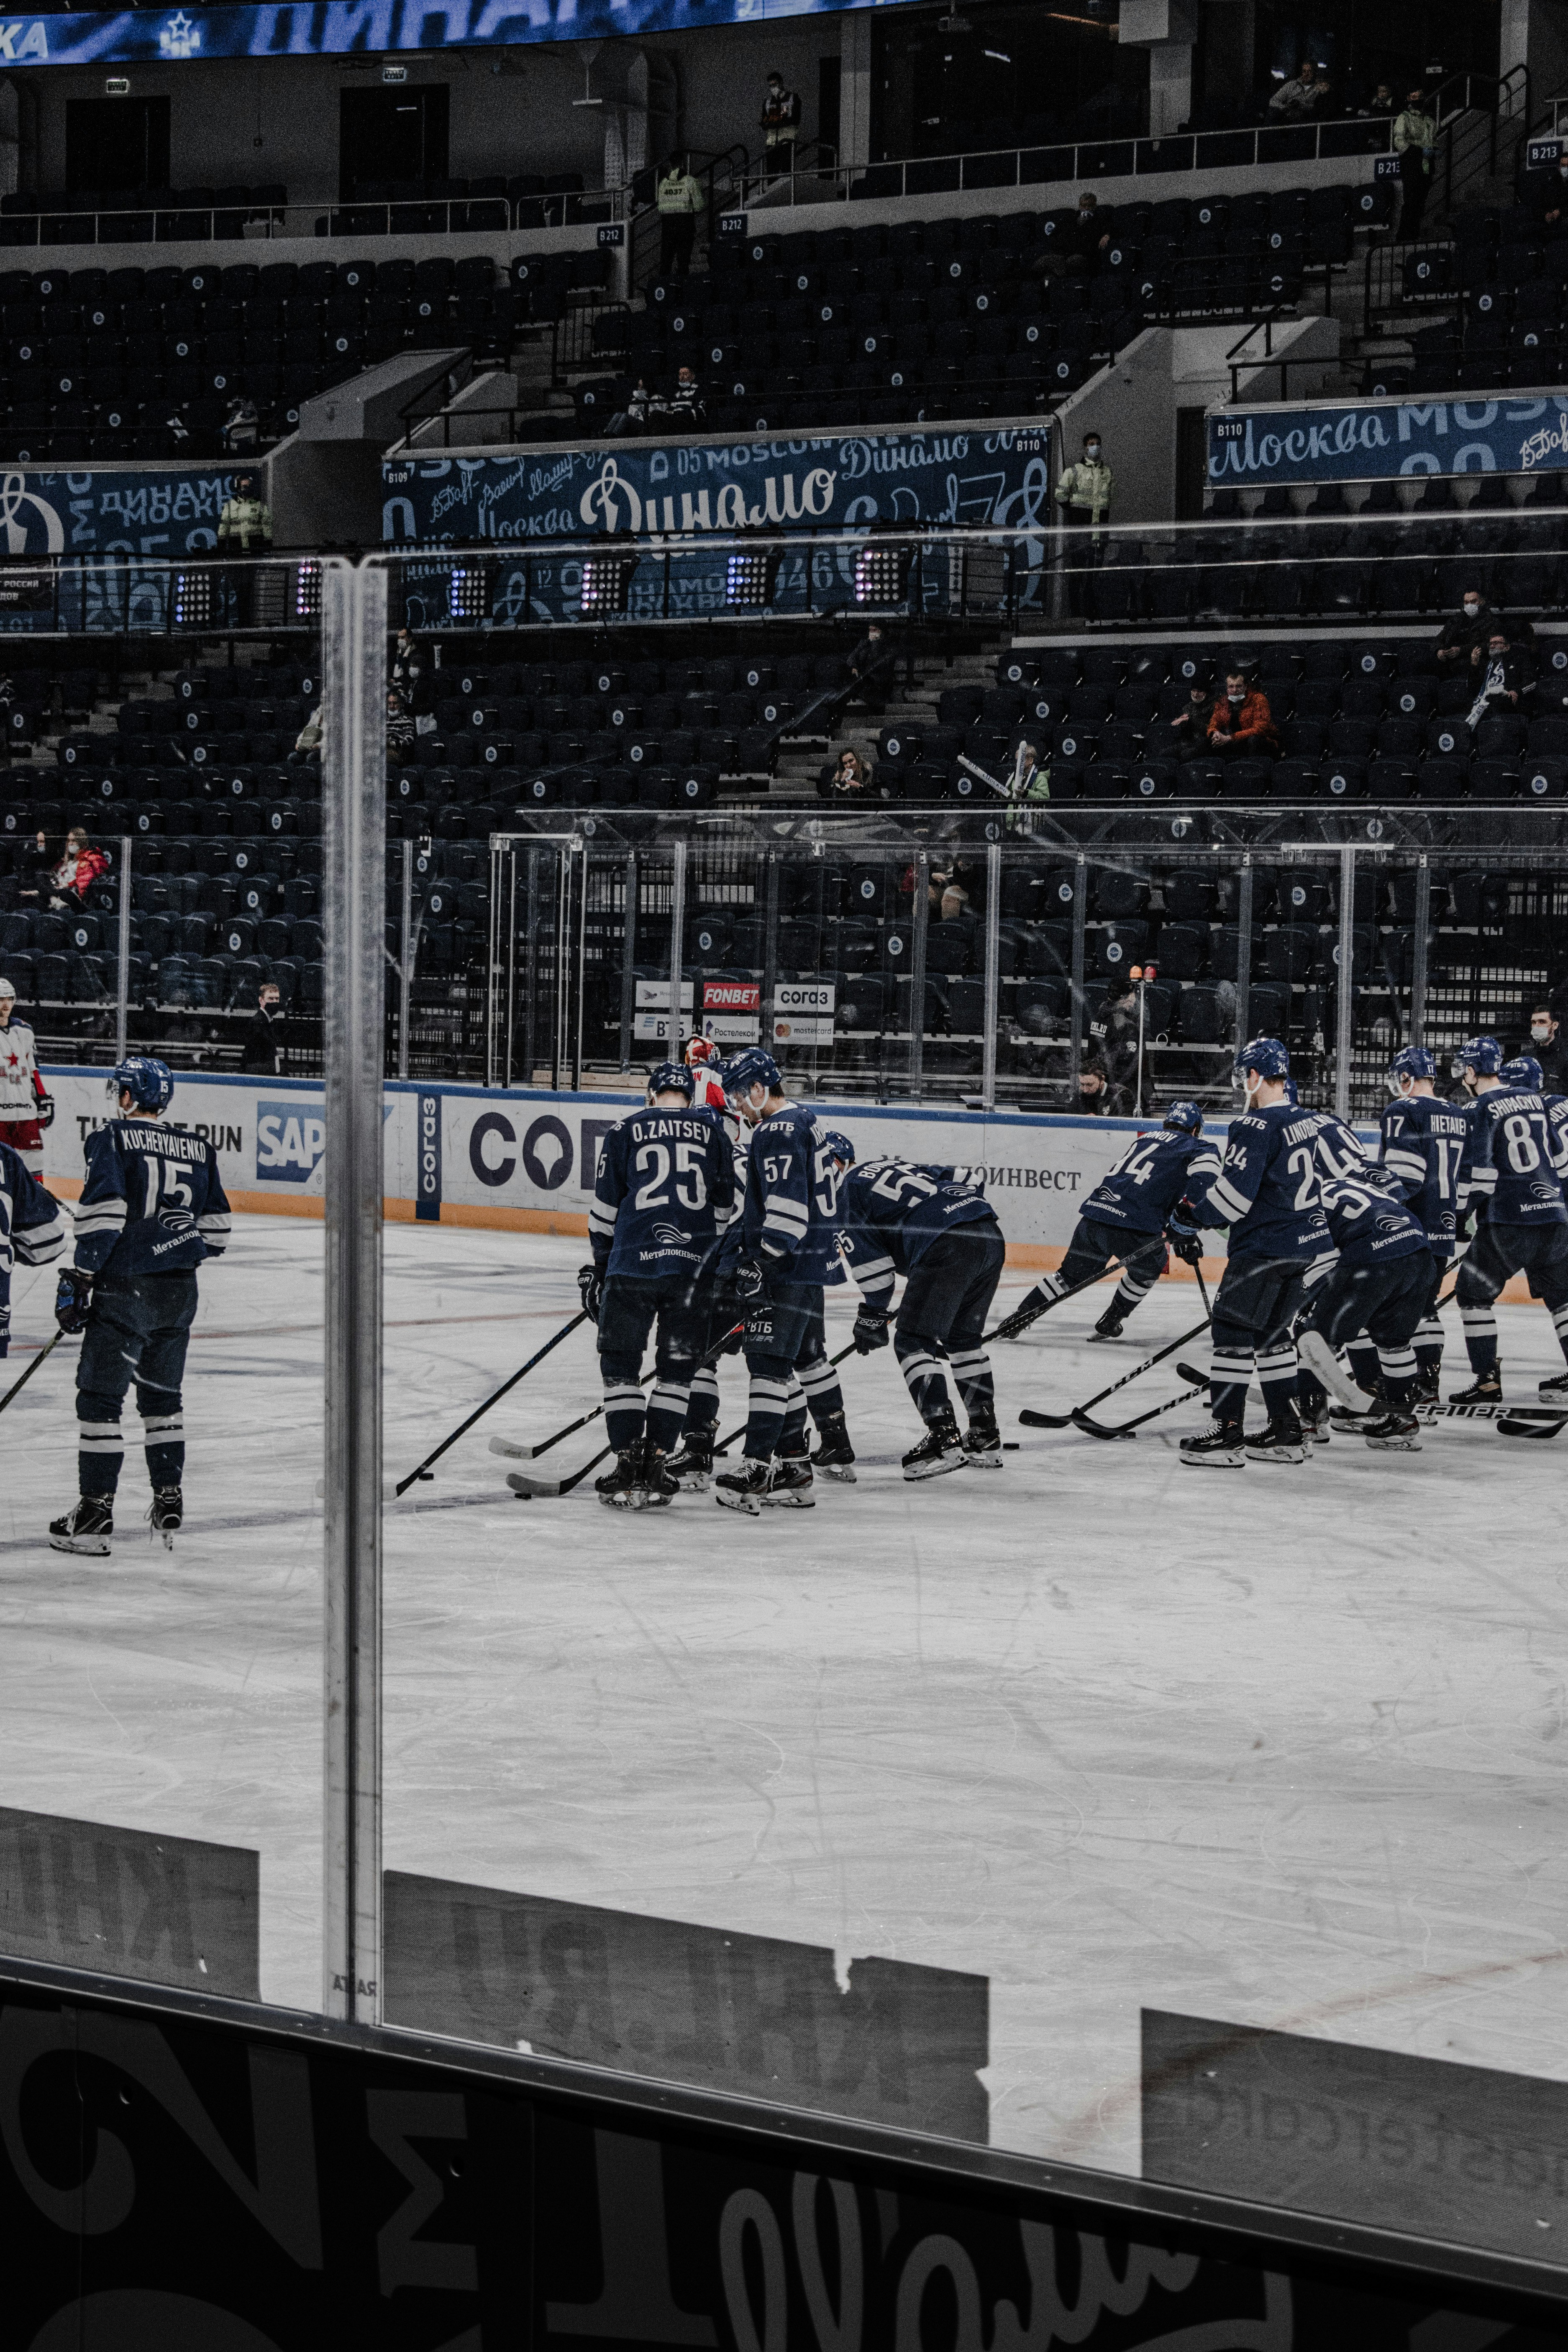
<point>1322,441</point>
<point>998,478</point>
<point>100,513</point>
<point>337,27</point>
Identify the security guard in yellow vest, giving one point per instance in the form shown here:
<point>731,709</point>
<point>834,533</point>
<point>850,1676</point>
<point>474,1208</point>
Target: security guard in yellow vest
<point>679,202</point>
<point>1083,501</point>
<point>243,528</point>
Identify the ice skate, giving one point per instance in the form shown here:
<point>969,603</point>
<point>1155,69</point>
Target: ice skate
<point>167,1512</point>
<point>1221,1446</point>
<point>790,1483</point>
<point>85,1528</point>
<point>742,1488</point>
<point>1315,1421</point>
<point>1428,1395</point>
<point>834,1457</point>
<point>1555,1391</point>
<point>1111,1326</point>
<point>1282,1441</point>
<point>622,1488</point>
<point>1485,1389</point>
<point>983,1443</point>
<point>939,1451</point>
<point>693,1468</point>
<point>659,1489</point>
<point>1394,1432</point>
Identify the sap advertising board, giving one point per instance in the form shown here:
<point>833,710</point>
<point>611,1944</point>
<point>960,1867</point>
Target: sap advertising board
<point>316,28</point>
<point>1322,441</point>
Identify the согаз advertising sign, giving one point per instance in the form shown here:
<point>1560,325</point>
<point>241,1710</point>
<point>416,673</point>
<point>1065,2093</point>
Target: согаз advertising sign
<point>1374,440</point>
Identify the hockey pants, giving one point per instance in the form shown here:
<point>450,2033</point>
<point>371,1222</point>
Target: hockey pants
<point>1254,1309</point>
<point>138,1330</point>
<point>631,1307</point>
<point>1387,1302</point>
<point>942,1317</point>
<point>1539,1252</point>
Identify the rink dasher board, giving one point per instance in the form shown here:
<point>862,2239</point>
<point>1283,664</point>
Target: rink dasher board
<point>524,1158</point>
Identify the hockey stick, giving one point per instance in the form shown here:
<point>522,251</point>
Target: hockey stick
<point>1189,1372</point>
<point>534,1488</point>
<point>513,1452</point>
<point>32,1368</point>
<point>1032,1420</point>
<point>1545,1419</point>
<point>404,1484</point>
<point>1523,1422</point>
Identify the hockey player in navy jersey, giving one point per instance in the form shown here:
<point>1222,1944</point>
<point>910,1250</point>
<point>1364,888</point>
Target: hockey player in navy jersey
<point>1421,1145</point>
<point>1130,1215</point>
<point>933,1226</point>
<point>30,1228</point>
<point>1380,1285</point>
<point>786,1242</point>
<point>1515,1162</point>
<point>152,1211</point>
<point>1267,1192</point>
<point>662,1201</point>
<point>692,1466</point>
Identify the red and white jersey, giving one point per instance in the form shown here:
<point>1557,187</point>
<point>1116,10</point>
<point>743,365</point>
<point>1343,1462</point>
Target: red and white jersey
<point>706,1093</point>
<point>20,1085</point>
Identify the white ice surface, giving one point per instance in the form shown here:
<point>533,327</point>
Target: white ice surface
<point>1276,1746</point>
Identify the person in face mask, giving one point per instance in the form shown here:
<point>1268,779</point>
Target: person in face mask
<point>1505,678</point>
<point>1462,640</point>
<point>1549,1047</point>
<point>1415,137</point>
<point>1083,497</point>
<point>1549,196</point>
<point>1241,725</point>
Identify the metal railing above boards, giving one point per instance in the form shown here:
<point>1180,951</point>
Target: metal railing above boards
<point>1249,148</point>
<point>998,973</point>
<point>247,226</point>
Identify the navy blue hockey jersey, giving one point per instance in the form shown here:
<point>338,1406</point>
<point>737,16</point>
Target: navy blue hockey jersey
<point>664,1193</point>
<point>1421,1145</point>
<point>1267,1188</point>
<point>1516,1162</point>
<point>892,1212</point>
<point>30,1227</point>
<point>790,1219</point>
<point>1153,1174</point>
<point>1368,1223</point>
<point>152,1201</point>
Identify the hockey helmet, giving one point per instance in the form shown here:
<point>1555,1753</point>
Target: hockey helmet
<point>1264,1057</point>
<point>1413,1062</point>
<point>1184,1119</point>
<point>752,1066</point>
<point>699,1050</point>
<point>669,1078</point>
<point>840,1147</point>
<point>150,1084</point>
<point>1523,1071</point>
<point>1481,1054</point>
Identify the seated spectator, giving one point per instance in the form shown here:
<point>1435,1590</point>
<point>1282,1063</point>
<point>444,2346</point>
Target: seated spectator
<point>1241,725</point>
<point>1076,252</point>
<point>1098,1094</point>
<point>242,428</point>
<point>1546,196</point>
<point>411,675</point>
<point>1190,727</point>
<point>307,742</point>
<point>1508,680</point>
<point>852,777</point>
<point>76,871</point>
<point>948,893</point>
<point>685,407</point>
<point>1550,1048</point>
<point>1305,99</point>
<point>399,729</point>
<point>36,874</point>
<point>1382,101</point>
<point>1460,641</point>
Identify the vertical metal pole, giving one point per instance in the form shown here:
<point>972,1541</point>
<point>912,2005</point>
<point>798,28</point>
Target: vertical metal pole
<point>920,917</point>
<point>677,944</point>
<point>405,960</point>
<point>530,966</point>
<point>770,944</point>
<point>1418,955</point>
<point>628,957</point>
<point>122,975</point>
<point>354,610</point>
<point>492,993</point>
<point>557,1042</point>
<point>1344,1005</point>
<point>1079,896</point>
<point>1244,954</point>
<point>993,962</point>
<point>580,852</point>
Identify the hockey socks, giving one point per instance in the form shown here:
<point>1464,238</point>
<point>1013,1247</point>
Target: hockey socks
<point>822,1392</point>
<point>976,1388</point>
<point>924,1378</point>
<point>1397,1365</point>
<point>666,1414</point>
<point>623,1413</point>
<point>703,1407</point>
<point>1480,1339</point>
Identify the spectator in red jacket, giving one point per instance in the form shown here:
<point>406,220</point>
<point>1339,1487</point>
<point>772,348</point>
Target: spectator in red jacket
<point>78,870</point>
<point>1241,725</point>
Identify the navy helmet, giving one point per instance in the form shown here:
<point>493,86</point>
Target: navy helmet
<point>840,1147</point>
<point>752,1068</point>
<point>1413,1062</point>
<point>148,1084</point>
<point>1184,1119</point>
<point>1266,1058</point>
<point>670,1077</point>
<point>1523,1071</point>
<point>1482,1055</point>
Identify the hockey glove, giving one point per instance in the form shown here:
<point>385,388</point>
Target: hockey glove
<point>44,1112</point>
<point>590,1289</point>
<point>871,1330</point>
<point>747,1281</point>
<point>73,1298</point>
<point>1183,1234</point>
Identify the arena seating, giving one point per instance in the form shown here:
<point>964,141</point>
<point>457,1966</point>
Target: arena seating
<point>131,363</point>
<point>952,318</point>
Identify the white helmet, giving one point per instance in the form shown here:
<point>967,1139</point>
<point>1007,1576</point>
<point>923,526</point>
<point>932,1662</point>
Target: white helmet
<point>6,990</point>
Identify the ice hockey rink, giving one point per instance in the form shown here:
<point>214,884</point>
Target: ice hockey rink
<point>1278,1746</point>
